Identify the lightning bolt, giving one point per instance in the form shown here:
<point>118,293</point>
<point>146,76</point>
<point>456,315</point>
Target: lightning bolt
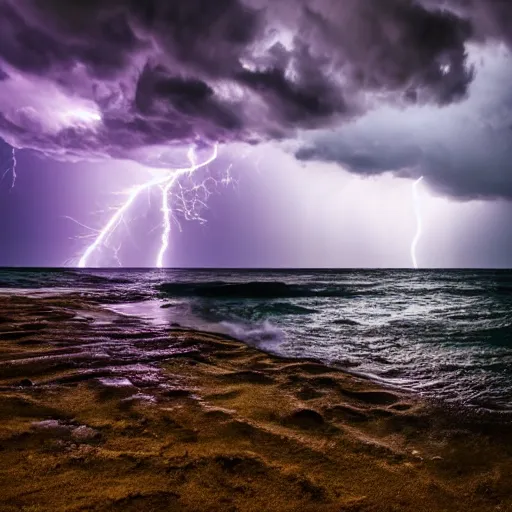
<point>419,225</point>
<point>166,184</point>
<point>12,169</point>
<point>166,210</point>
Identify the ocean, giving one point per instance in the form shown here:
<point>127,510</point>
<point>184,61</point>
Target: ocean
<point>444,334</point>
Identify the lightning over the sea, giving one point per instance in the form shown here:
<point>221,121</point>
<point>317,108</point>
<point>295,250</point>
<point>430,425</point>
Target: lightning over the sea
<point>12,169</point>
<point>419,224</point>
<point>166,184</point>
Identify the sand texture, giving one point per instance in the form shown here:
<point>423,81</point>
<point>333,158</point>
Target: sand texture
<point>105,413</point>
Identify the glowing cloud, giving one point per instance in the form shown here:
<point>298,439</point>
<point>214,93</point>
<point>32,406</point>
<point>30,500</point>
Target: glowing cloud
<point>85,116</point>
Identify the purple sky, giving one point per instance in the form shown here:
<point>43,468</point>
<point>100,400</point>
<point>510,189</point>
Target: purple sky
<point>277,215</point>
<point>326,111</point>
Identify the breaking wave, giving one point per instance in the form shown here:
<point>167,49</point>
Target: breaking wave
<point>265,336</point>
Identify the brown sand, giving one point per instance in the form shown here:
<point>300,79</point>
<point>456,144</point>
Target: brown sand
<point>221,427</point>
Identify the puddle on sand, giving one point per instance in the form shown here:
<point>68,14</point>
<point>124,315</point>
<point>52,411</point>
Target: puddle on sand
<point>149,310</point>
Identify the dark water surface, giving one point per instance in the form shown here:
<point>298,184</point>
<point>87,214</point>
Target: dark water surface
<point>444,334</point>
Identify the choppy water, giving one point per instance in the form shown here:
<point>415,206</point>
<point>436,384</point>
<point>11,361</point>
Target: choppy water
<point>444,334</point>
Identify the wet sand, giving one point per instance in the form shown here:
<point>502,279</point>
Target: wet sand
<point>103,412</point>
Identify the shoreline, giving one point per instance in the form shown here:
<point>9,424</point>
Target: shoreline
<point>473,413</point>
<point>202,421</point>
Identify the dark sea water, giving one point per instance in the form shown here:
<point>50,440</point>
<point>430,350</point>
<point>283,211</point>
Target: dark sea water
<point>444,334</point>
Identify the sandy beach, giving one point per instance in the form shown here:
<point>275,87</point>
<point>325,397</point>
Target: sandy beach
<point>203,422</point>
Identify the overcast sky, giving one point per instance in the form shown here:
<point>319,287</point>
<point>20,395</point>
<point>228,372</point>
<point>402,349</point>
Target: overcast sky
<point>325,112</point>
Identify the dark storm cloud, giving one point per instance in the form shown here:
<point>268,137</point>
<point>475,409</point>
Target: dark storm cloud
<point>363,156</point>
<point>490,19</point>
<point>394,45</point>
<point>464,150</point>
<point>173,71</point>
<point>477,166</point>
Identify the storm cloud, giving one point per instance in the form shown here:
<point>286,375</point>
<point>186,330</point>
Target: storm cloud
<point>104,78</point>
<point>463,150</point>
<point>490,19</point>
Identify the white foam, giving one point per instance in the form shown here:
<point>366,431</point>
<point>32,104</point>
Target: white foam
<point>265,336</point>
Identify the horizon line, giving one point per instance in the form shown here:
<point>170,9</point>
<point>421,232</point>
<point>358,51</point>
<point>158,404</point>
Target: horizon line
<point>44,267</point>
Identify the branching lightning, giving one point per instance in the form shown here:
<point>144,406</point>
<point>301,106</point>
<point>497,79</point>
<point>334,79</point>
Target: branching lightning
<point>419,223</point>
<point>166,184</point>
<point>12,169</point>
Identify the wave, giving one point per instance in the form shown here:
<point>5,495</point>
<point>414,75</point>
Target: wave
<point>50,278</point>
<point>255,290</point>
<point>264,336</point>
<point>241,311</point>
<point>281,290</point>
<point>345,321</point>
<point>282,308</point>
